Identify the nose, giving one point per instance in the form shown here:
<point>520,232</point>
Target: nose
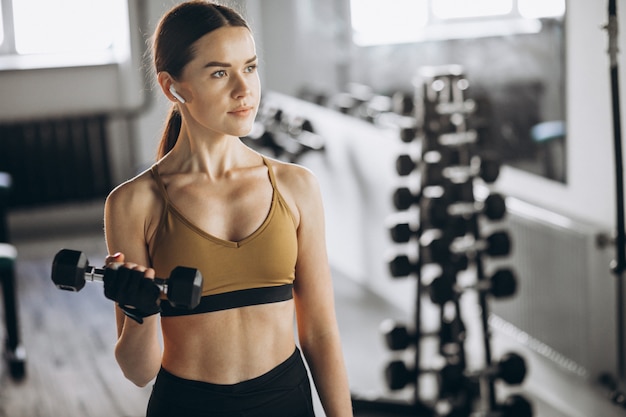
<point>241,87</point>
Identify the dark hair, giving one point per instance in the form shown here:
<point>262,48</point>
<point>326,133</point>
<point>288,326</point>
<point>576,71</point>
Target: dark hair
<point>172,47</point>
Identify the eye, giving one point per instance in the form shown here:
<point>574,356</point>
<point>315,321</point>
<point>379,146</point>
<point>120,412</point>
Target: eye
<point>251,68</point>
<point>219,74</point>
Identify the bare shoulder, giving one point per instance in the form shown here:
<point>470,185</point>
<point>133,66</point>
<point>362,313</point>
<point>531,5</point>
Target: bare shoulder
<point>295,181</point>
<point>134,204</point>
<point>138,191</point>
<point>299,187</point>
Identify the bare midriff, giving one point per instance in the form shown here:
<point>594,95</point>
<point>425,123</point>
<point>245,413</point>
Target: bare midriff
<point>229,346</point>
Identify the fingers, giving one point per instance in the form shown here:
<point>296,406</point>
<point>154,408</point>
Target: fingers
<point>117,260</point>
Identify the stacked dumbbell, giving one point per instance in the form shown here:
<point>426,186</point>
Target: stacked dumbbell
<point>287,137</point>
<point>448,233</point>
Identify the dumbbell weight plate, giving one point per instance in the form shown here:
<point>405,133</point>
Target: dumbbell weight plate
<point>68,270</point>
<point>184,287</point>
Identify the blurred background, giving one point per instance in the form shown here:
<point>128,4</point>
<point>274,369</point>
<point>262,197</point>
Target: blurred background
<point>349,86</point>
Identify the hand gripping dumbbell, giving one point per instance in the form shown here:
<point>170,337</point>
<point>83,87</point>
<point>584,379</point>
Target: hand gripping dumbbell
<point>71,270</point>
<point>444,288</point>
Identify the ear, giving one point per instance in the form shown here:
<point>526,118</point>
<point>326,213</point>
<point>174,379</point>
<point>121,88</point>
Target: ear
<point>166,82</point>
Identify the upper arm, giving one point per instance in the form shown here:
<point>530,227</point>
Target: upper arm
<point>313,290</point>
<point>125,217</point>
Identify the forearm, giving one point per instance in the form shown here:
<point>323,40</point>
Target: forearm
<point>325,360</point>
<point>138,351</point>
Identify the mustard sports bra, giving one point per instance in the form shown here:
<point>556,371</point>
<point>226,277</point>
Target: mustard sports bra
<point>259,269</point>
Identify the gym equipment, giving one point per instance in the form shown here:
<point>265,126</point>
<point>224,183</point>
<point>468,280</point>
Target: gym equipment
<point>618,265</point>
<point>511,369</point>
<point>449,239</point>
<point>71,270</point>
<point>514,405</point>
<point>500,285</point>
<point>399,337</point>
<point>442,210</point>
<point>14,353</point>
<point>441,249</point>
<point>403,198</point>
<point>401,266</point>
<point>440,170</point>
<point>450,377</point>
<point>286,136</point>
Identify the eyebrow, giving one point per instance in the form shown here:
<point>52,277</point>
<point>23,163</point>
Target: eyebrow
<point>224,64</point>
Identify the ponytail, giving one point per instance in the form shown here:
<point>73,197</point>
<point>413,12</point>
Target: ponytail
<point>170,133</point>
<point>172,44</point>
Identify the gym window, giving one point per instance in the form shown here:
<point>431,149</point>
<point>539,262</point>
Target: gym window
<point>44,33</point>
<point>406,21</point>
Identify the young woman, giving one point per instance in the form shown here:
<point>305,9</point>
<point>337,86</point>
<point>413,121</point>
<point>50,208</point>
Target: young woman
<point>254,227</point>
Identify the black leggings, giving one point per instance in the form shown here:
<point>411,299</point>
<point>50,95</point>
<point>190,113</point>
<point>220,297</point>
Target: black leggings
<point>284,391</point>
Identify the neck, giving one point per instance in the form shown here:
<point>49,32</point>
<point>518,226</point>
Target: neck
<point>213,155</point>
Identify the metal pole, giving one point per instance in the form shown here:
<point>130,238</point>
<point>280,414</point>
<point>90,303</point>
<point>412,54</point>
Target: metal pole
<point>619,264</point>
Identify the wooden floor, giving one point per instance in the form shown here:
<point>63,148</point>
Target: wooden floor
<point>69,338</point>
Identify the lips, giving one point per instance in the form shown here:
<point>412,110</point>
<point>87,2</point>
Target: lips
<point>241,111</point>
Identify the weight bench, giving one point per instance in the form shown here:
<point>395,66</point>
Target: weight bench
<point>14,353</point>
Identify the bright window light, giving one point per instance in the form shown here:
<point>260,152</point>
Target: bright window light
<point>534,9</point>
<point>65,26</point>
<point>1,27</point>
<point>399,21</point>
<point>458,9</point>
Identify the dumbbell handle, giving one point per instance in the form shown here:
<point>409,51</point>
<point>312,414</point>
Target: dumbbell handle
<point>97,275</point>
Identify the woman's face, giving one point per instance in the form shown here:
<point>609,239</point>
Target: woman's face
<point>220,84</point>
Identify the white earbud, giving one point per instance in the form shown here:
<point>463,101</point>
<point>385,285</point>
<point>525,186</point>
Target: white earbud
<point>175,94</point>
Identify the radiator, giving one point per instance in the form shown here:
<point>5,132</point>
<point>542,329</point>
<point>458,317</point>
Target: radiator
<point>565,308</point>
<point>54,161</point>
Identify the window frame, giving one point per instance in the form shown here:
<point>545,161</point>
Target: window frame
<point>437,28</point>
<point>11,59</point>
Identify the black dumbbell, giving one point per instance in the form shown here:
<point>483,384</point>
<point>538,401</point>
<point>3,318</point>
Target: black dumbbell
<point>71,270</point>
<point>515,405</point>
<point>399,337</point>
<point>501,284</point>
<point>403,103</point>
<point>436,172</point>
<point>402,232</point>
<point>405,165</point>
<point>441,211</point>
<point>511,369</point>
<point>402,266</point>
<point>450,377</point>
<point>449,140</point>
<point>403,198</point>
<point>441,250</point>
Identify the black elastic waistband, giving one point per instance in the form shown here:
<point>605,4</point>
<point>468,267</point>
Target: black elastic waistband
<point>233,299</point>
<point>241,388</point>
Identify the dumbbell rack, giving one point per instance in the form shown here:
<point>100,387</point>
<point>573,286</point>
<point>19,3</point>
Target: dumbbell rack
<point>449,170</point>
<point>286,136</point>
